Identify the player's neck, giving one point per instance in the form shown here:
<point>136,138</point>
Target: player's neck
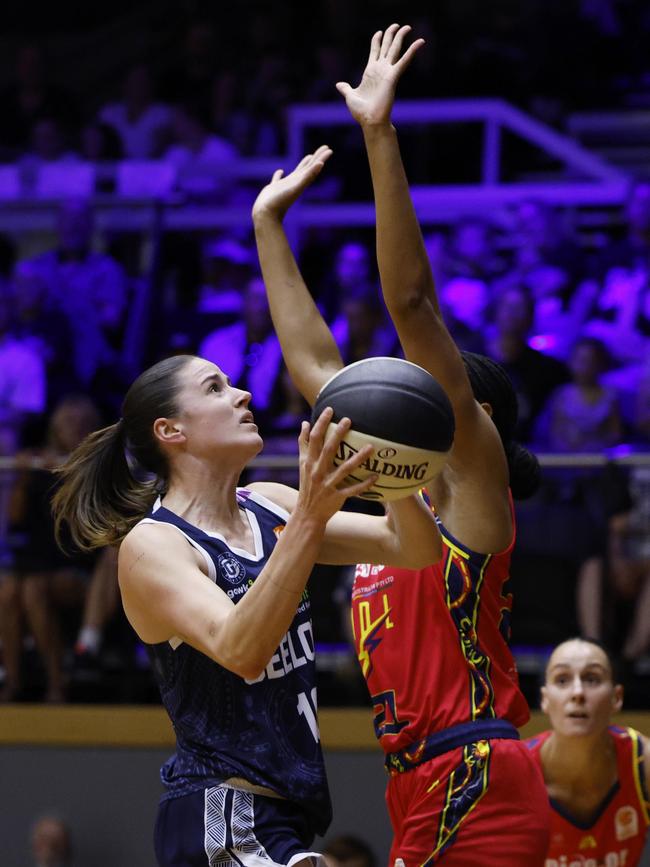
<point>568,759</point>
<point>208,502</point>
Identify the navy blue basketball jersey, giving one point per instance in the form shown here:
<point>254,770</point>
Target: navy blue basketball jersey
<point>266,730</point>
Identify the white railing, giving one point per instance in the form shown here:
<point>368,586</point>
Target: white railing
<point>588,180</point>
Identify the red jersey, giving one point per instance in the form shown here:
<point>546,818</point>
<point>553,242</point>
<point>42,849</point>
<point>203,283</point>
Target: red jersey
<point>433,645</point>
<point>616,835</point>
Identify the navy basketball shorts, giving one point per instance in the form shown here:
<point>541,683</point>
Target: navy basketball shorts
<point>232,828</point>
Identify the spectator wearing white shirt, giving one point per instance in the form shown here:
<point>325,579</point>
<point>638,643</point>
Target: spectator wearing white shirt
<point>22,381</point>
<point>89,287</point>
<point>201,158</point>
<point>140,122</point>
<point>249,350</point>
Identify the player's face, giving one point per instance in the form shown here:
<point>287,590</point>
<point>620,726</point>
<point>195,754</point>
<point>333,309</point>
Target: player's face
<point>579,694</point>
<point>214,416</point>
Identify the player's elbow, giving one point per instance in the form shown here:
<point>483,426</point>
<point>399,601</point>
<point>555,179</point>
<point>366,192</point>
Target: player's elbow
<point>420,557</point>
<point>415,294</point>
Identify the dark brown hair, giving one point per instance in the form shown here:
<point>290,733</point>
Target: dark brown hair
<point>110,480</point>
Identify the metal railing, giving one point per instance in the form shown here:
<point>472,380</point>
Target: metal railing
<point>589,180</point>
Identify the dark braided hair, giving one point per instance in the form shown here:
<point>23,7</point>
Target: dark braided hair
<point>491,384</point>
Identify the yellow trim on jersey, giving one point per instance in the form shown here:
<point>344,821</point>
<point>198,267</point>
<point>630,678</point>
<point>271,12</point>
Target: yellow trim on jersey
<point>479,584</point>
<point>481,674</point>
<point>368,627</point>
<point>637,764</point>
<point>444,835</point>
<point>464,554</point>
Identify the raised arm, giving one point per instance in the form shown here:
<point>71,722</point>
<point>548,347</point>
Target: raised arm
<point>477,457</point>
<point>309,349</point>
<point>406,536</point>
<point>166,594</point>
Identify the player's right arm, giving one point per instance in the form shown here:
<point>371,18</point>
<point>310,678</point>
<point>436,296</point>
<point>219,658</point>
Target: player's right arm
<point>166,593</point>
<point>477,460</point>
<point>308,347</point>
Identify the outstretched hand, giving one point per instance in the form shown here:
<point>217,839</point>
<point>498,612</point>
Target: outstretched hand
<point>324,486</point>
<point>277,196</point>
<point>372,101</point>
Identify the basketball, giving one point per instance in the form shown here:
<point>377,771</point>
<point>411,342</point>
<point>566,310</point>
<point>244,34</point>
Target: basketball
<point>399,409</point>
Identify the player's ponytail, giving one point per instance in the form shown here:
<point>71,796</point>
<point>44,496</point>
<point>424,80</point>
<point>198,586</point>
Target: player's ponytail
<point>491,384</point>
<point>110,480</point>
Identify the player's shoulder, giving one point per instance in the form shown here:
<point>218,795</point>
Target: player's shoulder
<point>534,742</point>
<point>277,498</point>
<point>148,538</point>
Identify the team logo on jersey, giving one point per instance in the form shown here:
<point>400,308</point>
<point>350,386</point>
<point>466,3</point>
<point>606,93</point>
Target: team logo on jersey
<point>277,530</point>
<point>231,569</point>
<point>588,842</point>
<point>626,822</point>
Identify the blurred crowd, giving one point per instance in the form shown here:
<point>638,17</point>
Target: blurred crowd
<point>183,87</point>
<point>566,313</point>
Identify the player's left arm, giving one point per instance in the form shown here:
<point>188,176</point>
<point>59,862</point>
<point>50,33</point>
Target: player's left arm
<point>406,536</point>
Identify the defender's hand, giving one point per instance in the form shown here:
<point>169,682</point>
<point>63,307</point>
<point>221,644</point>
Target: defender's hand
<point>276,197</point>
<point>372,101</point>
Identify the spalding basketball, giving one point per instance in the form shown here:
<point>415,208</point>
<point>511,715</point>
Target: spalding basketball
<point>402,411</point>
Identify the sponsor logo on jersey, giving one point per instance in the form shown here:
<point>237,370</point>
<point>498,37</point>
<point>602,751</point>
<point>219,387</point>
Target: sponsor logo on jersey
<point>611,859</point>
<point>295,650</point>
<point>231,569</point>
<point>626,822</point>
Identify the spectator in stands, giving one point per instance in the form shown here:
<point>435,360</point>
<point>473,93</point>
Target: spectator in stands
<point>632,251</point>
<point>141,123</point>
<point>191,77</point>
<point>533,374</point>
<point>51,842</point>
<point>226,265</point>
<point>630,561</point>
<point>100,605</point>
<point>249,350</point>
<point>256,122</point>
<point>48,146</point>
<point>202,159</point>
<point>584,415</point>
<point>471,251</point>
<point>40,573</point>
<point>351,272</point>
<point>286,412</point>
<point>348,850</point>
<point>361,330</point>
<point>30,96</point>
<point>542,248</point>
<point>100,143</point>
<point>23,386</point>
<point>89,287</point>
<point>45,328</point>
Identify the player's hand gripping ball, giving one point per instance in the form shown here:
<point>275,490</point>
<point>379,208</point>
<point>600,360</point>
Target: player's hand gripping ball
<point>402,411</point>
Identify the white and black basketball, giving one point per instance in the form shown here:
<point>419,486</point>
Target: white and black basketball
<point>402,411</point>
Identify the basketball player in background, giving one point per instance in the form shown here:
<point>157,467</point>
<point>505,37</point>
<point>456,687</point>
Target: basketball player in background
<point>432,644</point>
<point>597,774</point>
<point>212,578</point>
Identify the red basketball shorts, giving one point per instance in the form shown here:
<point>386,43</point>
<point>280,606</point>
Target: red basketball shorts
<point>481,805</point>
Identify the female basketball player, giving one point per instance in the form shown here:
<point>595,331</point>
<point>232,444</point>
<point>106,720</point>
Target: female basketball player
<point>597,775</point>
<point>212,579</point>
<point>432,644</point>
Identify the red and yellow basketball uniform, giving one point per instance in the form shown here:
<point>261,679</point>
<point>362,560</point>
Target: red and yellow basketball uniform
<point>616,835</point>
<point>433,648</point>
